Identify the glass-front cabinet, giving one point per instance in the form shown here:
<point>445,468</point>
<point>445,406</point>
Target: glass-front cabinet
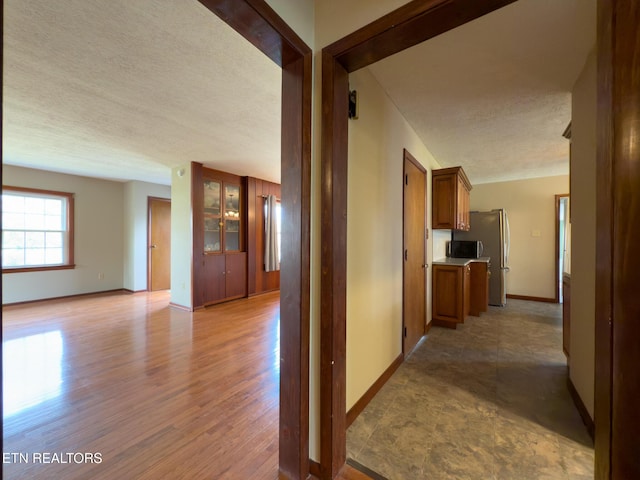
<point>212,216</point>
<point>222,217</point>
<point>232,218</point>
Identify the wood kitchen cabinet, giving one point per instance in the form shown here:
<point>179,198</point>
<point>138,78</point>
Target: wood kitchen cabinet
<point>451,198</point>
<point>451,294</point>
<point>459,290</point>
<point>479,288</point>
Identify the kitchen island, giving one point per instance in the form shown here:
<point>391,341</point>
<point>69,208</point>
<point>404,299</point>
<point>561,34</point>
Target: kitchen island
<point>460,289</point>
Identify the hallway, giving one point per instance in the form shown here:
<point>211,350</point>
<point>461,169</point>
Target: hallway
<point>486,401</point>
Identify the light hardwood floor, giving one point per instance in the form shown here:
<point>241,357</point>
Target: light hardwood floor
<point>157,392</point>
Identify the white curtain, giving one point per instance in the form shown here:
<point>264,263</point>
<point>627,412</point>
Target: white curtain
<point>271,253</point>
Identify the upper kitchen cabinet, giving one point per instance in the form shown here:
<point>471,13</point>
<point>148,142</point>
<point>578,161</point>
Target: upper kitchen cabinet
<point>451,189</point>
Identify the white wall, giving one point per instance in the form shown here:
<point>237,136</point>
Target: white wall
<point>583,233</point>
<point>98,238</point>
<point>299,15</point>
<point>135,260</point>
<point>181,237</point>
<point>338,18</point>
<point>374,233</point>
<point>530,206</point>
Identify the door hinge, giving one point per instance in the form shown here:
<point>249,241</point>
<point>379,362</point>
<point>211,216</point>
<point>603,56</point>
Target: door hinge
<point>405,255</point>
<point>405,331</point>
<point>406,179</point>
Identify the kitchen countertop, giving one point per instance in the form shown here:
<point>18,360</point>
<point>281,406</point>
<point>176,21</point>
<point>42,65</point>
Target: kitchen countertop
<point>459,262</point>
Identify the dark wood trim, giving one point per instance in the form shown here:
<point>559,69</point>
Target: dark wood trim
<point>184,307</point>
<point>582,409</point>
<point>405,27</point>
<point>557,247</point>
<point>617,230</point>
<point>40,191</point>
<point>335,89</point>
<point>250,195</point>
<point>364,469</point>
<point>256,21</point>
<point>314,469</point>
<point>70,297</point>
<point>197,267</point>
<point>428,327</point>
<point>295,279</point>
<point>361,404</point>
<point>38,269</point>
<point>444,323</point>
<point>604,245</point>
<point>532,299</point>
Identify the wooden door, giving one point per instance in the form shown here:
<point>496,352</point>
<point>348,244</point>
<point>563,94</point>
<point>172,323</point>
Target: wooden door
<point>415,224</point>
<point>159,258</point>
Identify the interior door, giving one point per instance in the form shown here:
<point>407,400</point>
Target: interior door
<point>415,280</point>
<point>159,244</point>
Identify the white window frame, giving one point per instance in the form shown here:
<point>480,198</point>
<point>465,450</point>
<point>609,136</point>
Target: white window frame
<point>67,229</point>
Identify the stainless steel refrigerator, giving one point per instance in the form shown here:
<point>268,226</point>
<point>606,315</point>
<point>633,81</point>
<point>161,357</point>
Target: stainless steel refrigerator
<point>492,229</point>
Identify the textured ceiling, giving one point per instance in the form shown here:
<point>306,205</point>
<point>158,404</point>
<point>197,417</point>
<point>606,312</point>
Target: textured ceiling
<point>495,94</point>
<point>127,89</point>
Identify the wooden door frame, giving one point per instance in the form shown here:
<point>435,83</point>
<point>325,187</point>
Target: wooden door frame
<point>406,156</point>
<point>557,248</point>
<point>256,21</point>
<point>149,200</point>
<point>617,230</point>
<point>407,26</point>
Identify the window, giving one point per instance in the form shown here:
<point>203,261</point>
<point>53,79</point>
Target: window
<point>270,263</point>
<point>37,230</point>
<point>279,223</point>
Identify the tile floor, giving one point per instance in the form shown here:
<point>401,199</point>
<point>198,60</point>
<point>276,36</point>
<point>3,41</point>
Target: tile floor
<point>486,401</point>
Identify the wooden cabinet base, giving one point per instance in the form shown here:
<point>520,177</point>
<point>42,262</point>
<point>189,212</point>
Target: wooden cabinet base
<point>459,291</point>
<point>479,288</point>
<point>444,323</point>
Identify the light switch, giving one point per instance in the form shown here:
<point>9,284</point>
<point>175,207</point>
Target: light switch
<point>535,233</point>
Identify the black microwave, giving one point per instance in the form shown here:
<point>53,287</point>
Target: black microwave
<point>465,249</point>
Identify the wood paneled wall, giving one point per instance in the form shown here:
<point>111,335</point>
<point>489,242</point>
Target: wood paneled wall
<point>259,281</point>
